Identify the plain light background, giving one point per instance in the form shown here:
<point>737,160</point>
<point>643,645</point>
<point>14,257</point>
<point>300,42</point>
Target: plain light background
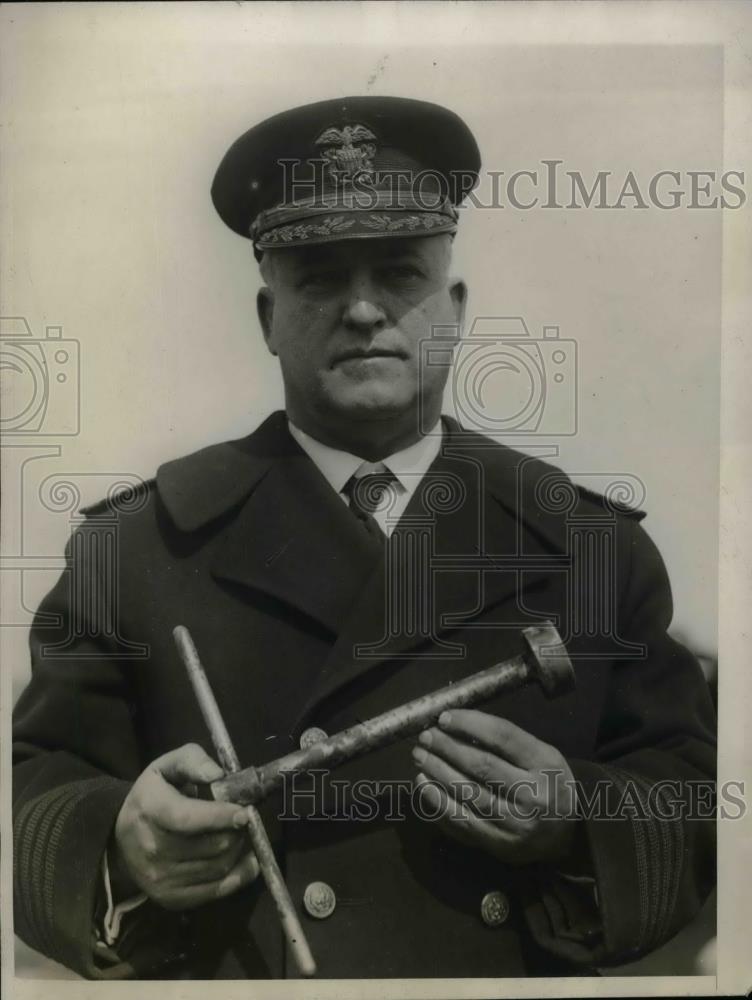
<point>118,118</point>
<point>114,120</point>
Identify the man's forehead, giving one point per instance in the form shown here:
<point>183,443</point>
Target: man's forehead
<point>420,248</point>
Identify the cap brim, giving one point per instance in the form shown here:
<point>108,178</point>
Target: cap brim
<point>354,225</point>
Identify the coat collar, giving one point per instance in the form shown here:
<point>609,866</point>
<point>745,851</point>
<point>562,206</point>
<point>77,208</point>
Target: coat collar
<point>200,488</point>
<point>284,532</point>
<point>498,518</point>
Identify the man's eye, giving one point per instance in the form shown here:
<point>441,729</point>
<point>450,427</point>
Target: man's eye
<point>402,272</point>
<point>321,279</point>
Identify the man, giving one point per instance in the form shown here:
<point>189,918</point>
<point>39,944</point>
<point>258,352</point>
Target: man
<point>351,554</point>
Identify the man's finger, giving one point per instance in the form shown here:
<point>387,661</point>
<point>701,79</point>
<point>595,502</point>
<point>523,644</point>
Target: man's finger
<point>499,735</point>
<point>202,846</point>
<point>176,813</point>
<point>485,766</point>
<point>459,821</point>
<point>462,789</point>
<point>245,871</point>
<point>188,897</point>
<point>189,763</point>
<point>199,870</point>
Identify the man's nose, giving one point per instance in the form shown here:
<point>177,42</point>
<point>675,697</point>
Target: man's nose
<point>363,309</point>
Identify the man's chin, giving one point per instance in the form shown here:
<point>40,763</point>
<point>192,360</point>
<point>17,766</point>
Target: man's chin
<point>373,404</point>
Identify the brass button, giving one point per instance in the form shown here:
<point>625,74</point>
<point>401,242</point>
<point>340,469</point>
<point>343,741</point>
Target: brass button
<point>494,908</point>
<point>319,900</point>
<point>310,736</point>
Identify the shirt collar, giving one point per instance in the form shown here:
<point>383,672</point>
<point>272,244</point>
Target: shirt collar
<point>337,467</point>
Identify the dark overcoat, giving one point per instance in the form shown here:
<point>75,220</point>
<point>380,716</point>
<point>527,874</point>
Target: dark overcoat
<point>300,622</point>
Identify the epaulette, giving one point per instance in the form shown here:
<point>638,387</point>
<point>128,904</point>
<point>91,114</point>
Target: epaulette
<point>610,503</point>
<point>128,500</point>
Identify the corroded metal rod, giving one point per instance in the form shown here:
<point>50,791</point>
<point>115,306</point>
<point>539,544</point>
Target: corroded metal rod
<point>256,832</point>
<point>545,661</point>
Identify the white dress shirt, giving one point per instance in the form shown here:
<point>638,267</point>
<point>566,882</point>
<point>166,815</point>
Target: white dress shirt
<point>407,466</point>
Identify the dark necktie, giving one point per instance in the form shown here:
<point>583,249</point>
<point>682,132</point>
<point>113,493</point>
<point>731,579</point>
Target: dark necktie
<point>364,495</point>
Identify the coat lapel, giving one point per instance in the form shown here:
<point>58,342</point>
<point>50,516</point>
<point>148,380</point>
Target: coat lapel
<point>295,539</point>
<point>472,539</point>
<point>287,535</point>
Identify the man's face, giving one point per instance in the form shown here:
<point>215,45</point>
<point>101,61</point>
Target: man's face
<point>346,321</point>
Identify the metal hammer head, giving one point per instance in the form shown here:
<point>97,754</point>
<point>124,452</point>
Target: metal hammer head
<point>548,659</point>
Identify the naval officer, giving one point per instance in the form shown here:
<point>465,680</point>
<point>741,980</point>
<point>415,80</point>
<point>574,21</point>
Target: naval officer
<point>287,551</point>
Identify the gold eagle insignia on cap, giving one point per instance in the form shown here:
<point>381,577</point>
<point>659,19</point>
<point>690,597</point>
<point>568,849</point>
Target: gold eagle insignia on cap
<point>348,152</point>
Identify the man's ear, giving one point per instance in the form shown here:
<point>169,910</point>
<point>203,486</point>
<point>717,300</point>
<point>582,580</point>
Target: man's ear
<point>458,295</point>
<point>265,309</point>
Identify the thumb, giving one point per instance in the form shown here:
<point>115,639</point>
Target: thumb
<point>188,763</point>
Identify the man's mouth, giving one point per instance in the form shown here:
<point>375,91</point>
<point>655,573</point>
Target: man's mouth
<point>369,354</point>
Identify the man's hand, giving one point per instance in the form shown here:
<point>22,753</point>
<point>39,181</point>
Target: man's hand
<point>496,787</point>
<point>181,852</point>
